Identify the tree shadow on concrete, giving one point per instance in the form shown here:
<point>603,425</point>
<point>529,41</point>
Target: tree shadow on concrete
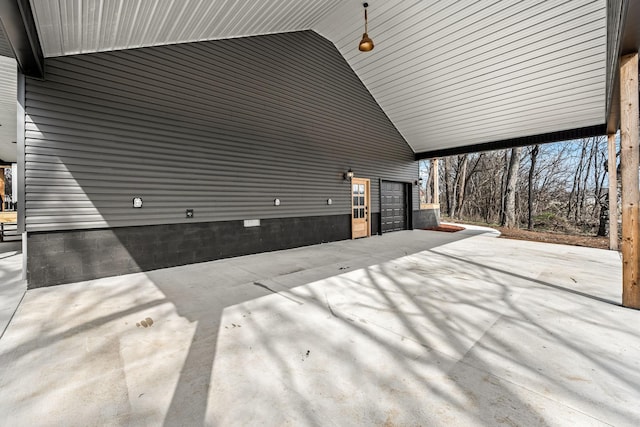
<point>388,330</point>
<point>62,320</point>
<point>208,298</point>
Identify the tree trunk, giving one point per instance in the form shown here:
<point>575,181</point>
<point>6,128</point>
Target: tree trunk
<point>577,185</point>
<point>575,189</point>
<point>435,168</point>
<point>532,170</point>
<point>585,182</point>
<point>509,217</point>
<point>467,179</point>
<point>503,184</point>
<point>447,187</point>
<point>429,185</point>
<point>462,184</point>
<point>604,216</point>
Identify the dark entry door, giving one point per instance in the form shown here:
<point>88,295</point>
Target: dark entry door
<point>393,206</point>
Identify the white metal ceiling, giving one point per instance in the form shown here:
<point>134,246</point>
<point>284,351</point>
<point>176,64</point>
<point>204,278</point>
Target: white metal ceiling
<point>447,73</point>
<point>79,26</point>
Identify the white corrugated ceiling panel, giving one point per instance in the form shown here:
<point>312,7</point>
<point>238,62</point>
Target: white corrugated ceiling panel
<point>447,73</point>
<point>458,73</point>
<point>79,26</point>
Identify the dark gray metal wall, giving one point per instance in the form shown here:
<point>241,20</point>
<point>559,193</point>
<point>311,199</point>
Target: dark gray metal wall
<point>221,127</point>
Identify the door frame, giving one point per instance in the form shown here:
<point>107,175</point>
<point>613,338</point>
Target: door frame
<point>367,193</point>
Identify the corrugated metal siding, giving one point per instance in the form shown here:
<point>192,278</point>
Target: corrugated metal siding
<point>221,127</point>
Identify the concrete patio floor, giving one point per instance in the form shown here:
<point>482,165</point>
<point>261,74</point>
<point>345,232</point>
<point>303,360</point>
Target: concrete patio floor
<point>12,286</point>
<point>410,328</point>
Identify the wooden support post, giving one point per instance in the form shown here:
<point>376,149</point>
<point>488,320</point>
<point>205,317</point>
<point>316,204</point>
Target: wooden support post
<point>436,181</point>
<point>629,152</point>
<point>613,194</point>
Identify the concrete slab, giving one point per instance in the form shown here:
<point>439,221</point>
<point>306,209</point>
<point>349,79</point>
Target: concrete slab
<point>410,328</point>
<point>12,287</point>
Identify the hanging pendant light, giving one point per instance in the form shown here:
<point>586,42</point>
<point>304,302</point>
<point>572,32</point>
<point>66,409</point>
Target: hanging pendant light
<point>366,44</point>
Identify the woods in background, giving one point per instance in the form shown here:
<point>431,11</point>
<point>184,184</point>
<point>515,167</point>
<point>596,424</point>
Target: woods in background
<point>558,187</point>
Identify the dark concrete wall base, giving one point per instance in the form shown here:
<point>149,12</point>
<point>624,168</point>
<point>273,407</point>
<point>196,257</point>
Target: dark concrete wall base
<point>375,223</point>
<point>426,218</point>
<point>70,256</point>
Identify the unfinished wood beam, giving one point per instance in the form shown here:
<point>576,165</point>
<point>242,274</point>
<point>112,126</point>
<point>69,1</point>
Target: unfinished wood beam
<point>613,193</point>
<point>436,181</point>
<point>629,151</point>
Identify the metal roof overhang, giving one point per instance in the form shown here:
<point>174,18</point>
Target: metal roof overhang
<point>453,77</point>
<point>20,30</point>
<point>625,40</point>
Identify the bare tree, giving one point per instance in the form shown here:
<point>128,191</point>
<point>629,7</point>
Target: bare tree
<point>447,183</point>
<point>557,187</point>
<point>503,184</point>
<point>428,188</point>
<point>425,190</point>
<point>509,216</point>
<point>460,185</point>
<point>530,202</point>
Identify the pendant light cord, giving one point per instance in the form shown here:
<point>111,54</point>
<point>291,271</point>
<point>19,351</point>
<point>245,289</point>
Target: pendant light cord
<point>365,20</point>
